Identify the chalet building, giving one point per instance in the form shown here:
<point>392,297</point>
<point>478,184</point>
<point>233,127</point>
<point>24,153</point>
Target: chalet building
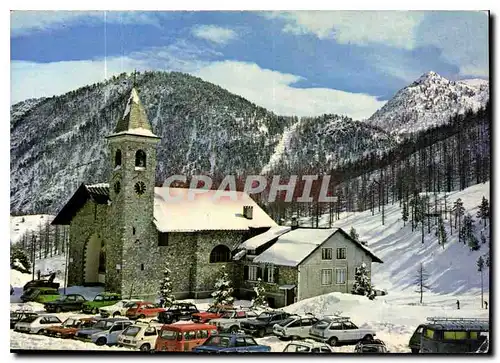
<point>123,233</point>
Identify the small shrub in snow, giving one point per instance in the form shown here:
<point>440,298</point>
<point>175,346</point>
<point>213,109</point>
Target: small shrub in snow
<point>260,295</point>
<point>362,285</point>
<point>223,294</point>
<point>166,296</point>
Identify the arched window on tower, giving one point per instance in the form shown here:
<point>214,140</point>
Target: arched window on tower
<point>102,258</point>
<point>140,159</point>
<point>220,253</point>
<point>118,158</point>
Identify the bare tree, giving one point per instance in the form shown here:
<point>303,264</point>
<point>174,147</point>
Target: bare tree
<point>421,281</point>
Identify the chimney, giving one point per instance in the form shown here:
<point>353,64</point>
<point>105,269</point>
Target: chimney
<point>248,211</point>
<point>295,223</point>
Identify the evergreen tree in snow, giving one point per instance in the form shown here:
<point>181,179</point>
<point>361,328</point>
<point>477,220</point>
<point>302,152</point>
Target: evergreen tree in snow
<point>223,294</point>
<point>405,213</point>
<point>458,212</point>
<point>362,285</point>
<point>467,233</point>
<point>166,288</point>
<point>483,238</point>
<point>484,210</point>
<point>421,281</point>
<point>260,294</point>
<point>19,260</point>
<point>354,234</point>
<point>442,237</point>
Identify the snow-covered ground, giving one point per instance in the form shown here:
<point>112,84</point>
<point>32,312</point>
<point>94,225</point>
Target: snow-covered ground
<point>452,269</point>
<point>21,224</point>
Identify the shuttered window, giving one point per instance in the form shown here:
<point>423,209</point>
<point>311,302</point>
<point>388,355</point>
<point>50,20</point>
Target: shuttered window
<point>340,276</point>
<point>340,253</point>
<point>326,276</point>
<point>326,254</point>
<point>253,272</point>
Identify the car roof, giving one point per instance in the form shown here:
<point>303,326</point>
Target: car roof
<point>309,343</point>
<point>190,326</point>
<point>243,335</point>
<point>108,294</point>
<point>115,319</point>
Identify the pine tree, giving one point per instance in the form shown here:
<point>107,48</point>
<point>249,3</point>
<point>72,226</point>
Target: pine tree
<point>223,289</point>
<point>442,237</point>
<point>480,268</point>
<point>421,281</point>
<point>354,235</point>
<point>166,288</point>
<point>260,294</point>
<point>405,213</point>
<point>458,212</point>
<point>467,233</point>
<point>484,210</point>
<point>483,238</point>
<point>362,285</point>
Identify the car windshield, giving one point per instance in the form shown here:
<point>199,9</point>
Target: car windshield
<point>322,324</point>
<point>286,321</point>
<point>132,331</point>
<point>103,325</point>
<point>133,306</point>
<point>218,341</point>
<point>168,334</point>
<point>28,319</point>
<point>99,298</point>
<point>264,316</point>
<point>70,322</point>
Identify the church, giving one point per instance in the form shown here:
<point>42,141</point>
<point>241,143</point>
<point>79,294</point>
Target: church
<point>124,233</point>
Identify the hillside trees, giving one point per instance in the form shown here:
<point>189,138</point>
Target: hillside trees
<point>421,281</point>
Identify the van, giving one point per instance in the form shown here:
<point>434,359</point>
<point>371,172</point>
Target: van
<point>183,337</point>
<point>40,295</point>
<point>449,335</point>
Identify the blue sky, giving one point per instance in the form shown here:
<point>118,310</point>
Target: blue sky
<point>301,63</point>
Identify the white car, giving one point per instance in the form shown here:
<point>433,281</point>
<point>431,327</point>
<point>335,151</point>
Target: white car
<point>142,335</point>
<point>118,309</point>
<point>230,320</point>
<point>307,347</point>
<point>333,330</point>
<point>295,327</point>
<point>36,324</point>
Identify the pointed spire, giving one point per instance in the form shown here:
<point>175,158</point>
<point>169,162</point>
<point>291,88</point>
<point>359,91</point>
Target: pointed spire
<point>134,120</point>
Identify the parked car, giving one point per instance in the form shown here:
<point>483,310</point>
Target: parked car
<point>105,331</point>
<point>176,312</point>
<point>183,337</point>
<point>335,330</point>
<point>40,294</point>
<point>231,319</point>
<point>118,309</point>
<point>16,316</point>
<point>227,343</point>
<point>143,309</point>
<point>42,283</point>
<point>371,346</point>
<point>100,300</point>
<point>263,323</point>
<point>70,302</point>
<point>142,335</point>
<point>69,327</point>
<point>449,335</point>
<point>307,347</point>
<point>294,327</point>
<point>214,312</point>
<point>36,324</point>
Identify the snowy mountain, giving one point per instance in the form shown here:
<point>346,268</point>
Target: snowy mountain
<point>58,142</point>
<point>429,101</point>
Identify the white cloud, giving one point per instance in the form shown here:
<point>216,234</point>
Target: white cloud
<point>25,22</point>
<point>215,34</point>
<point>396,28</point>
<point>272,90</point>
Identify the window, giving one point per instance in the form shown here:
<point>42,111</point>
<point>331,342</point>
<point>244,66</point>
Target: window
<point>250,341</point>
<point>326,276</point>
<point>340,276</point>
<point>429,333</point>
<point>150,332</point>
<point>240,342</point>
<point>142,267</point>
<point>268,274</point>
<point>326,253</point>
<point>220,253</point>
<point>336,326</point>
<point>455,335</point>
<point>162,239</point>
<point>71,298</point>
<point>252,273</point>
<point>118,158</point>
<point>341,253</point>
<point>140,159</point>
<point>133,230</point>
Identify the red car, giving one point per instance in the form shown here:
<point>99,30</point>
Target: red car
<point>143,309</point>
<point>214,312</point>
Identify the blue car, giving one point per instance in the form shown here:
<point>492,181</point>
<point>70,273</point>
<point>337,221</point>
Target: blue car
<point>229,343</point>
<point>105,331</point>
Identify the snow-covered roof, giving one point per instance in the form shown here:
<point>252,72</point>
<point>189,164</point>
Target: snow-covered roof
<point>181,210</point>
<point>257,241</point>
<point>293,247</point>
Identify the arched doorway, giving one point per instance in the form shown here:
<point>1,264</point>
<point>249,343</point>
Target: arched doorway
<point>95,261</point>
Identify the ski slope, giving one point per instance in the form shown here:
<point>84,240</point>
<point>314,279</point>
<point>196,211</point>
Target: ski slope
<point>21,224</point>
